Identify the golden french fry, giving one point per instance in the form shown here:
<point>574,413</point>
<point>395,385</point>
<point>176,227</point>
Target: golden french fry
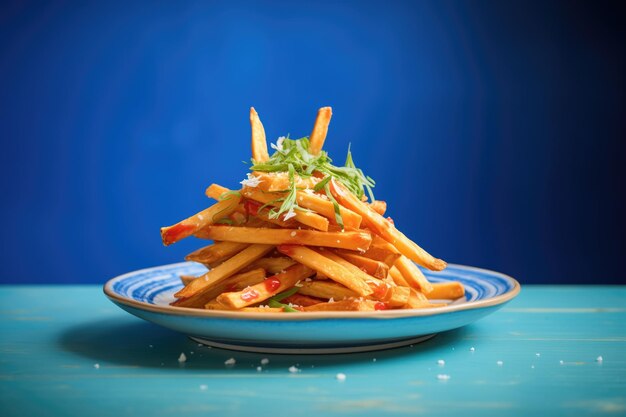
<point>379,206</point>
<point>276,182</point>
<point>328,267</point>
<point>272,265</point>
<point>320,130</point>
<point>305,217</point>
<point>383,251</point>
<point>191,225</point>
<point>397,296</point>
<point>358,240</point>
<point>397,277</point>
<point>216,191</point>
<point>385,229</point>
<point>346,305</point>
<point>216,252</point>
<point>186,279</point>
<point>326,289</point>
<point>413,275</point>
<point>266,289</point>
<point>224,270</point>
<point>233,283</point>
<point>450,290</point>
<point>301,300</point>
<point>373,267</point>
<point>259,143</point>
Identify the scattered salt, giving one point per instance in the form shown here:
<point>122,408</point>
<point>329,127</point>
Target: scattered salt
<point>96,365</point>
<point>537,354</point>
<point>265,361</point>
<point>182,358</point>
<point>374,360</point>
<point>599,359</point>
<point>293,234</point>
<point>331,300</point>
<point>293,369</point>
<point>340,377</point>
<point>204,387</point>
<point>441,362</point>
<point>251,181</point>
<point>259,369</point>
<point>230,362</point>
<point>443,377</point>
<point>472,349</point>
<point>532,366</point>
<point>500,363</point>
<point>561,362</point>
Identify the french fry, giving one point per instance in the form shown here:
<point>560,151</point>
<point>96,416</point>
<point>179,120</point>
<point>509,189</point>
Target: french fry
<point>266,289</point>
<point>313,201</point>
<point>305,217</point>
<point>191,225</point>
<point>328,267</point>
<point>274,182</point>
<point>326,289</point>
<point>224,270</point>
<point>186,279</point>
<point>254,208</point>
<point>383,251</point>
<point>216,191</point>
<point>385,229</point>
<point>301,300</point>
<point>397,296</point>
<point>233,283</point>
<point>373,267</point>
<point>259,143</point>
<point>397,277</point>
<point>320,129</point>
<point>413,275</point>
<point>216,252</point>
<point>379,288</point>
<point>272,265</point>
<point>343,240</point>
<point>450,290</point>
<point>379,206</point>
<point>345,305</point>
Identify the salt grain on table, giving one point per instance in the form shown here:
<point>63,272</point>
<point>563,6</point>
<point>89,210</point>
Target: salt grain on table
<point>230,362</point>
<point>340,377</point>
<point>182,358</point>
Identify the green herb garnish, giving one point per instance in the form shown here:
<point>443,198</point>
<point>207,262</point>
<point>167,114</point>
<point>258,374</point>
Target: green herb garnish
<point>293,156</point>
<point>275,301</point>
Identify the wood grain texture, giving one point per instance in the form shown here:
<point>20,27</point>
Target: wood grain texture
<point>52,336</point>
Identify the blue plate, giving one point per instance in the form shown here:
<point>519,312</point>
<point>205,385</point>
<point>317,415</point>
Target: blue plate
<point>147,294</point>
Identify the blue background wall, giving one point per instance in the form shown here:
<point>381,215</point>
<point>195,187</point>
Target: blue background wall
<point>495,130</point>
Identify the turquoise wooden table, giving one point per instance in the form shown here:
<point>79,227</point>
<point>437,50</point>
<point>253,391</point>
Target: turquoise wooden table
<point>68,351</point>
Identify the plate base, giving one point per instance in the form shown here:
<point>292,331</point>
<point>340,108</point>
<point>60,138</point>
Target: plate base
<point>314,350</point>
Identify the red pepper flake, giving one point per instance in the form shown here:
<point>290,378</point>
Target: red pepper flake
<point>380,306</point>
<point>272,284</point>
<point>249,295</point>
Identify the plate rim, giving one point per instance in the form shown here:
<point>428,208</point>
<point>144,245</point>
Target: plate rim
<point>385,314</point>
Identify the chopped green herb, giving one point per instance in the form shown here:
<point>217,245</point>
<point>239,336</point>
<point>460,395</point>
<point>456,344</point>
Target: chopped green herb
<point>293,156</point>
<point>286,308</point>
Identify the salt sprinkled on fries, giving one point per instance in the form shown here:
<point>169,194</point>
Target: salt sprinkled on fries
<point>303,235</point>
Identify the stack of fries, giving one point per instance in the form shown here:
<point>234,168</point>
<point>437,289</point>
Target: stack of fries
<point>298,237</point>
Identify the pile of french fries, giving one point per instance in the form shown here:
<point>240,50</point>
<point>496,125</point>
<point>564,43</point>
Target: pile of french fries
<point>304,261</point>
